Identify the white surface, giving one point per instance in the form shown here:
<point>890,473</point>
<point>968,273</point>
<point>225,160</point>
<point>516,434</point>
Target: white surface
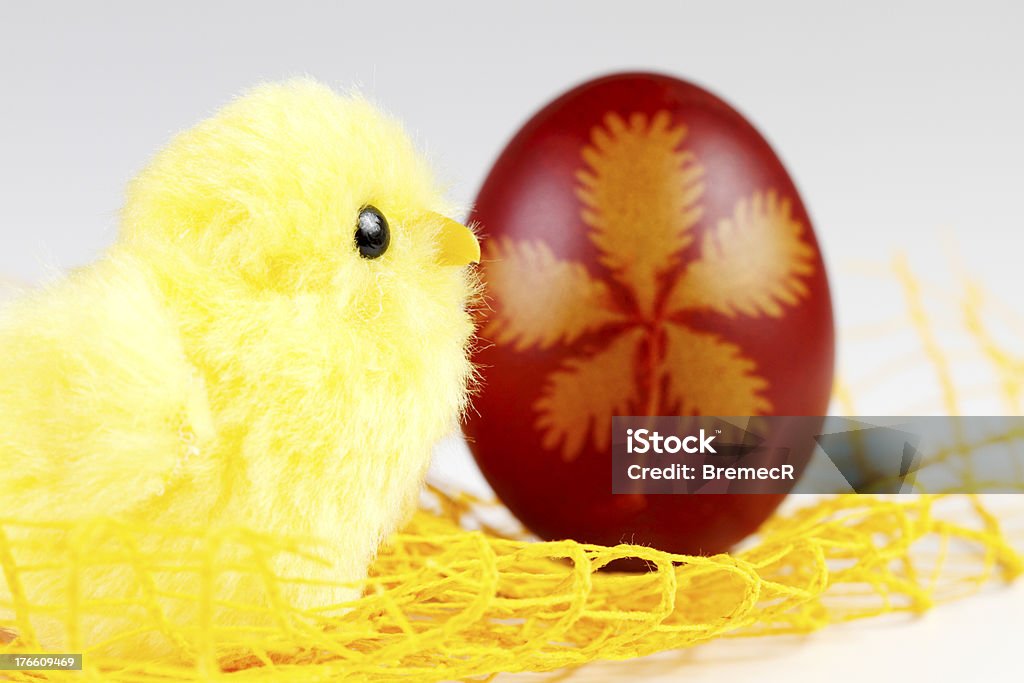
<point>965,641</point>
<point>900,122</point>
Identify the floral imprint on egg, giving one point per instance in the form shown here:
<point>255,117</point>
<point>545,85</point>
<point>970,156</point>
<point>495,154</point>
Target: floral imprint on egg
<point>640,194</point>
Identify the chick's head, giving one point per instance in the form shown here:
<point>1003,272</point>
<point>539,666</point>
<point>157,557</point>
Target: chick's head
<point>301,237</point>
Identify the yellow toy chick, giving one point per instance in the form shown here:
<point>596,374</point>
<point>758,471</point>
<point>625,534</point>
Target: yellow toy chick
<point>276,341</point>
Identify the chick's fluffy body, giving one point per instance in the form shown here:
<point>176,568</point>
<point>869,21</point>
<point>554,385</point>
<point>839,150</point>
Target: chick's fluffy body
<point>234,362</point>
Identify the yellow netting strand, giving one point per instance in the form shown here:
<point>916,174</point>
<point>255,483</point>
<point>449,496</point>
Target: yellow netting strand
<point>455,597</point>
<point>448,603</point>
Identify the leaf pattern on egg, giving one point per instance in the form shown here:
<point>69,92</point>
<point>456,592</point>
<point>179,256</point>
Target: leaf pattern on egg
<point>640,193</point>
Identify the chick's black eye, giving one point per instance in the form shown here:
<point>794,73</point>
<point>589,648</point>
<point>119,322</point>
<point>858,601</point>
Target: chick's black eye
<point>373,236</point>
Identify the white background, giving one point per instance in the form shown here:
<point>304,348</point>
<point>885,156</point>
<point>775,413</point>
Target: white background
<point>900,122</point>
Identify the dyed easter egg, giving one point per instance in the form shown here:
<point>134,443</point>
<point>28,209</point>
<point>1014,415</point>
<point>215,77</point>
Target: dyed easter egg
<point>645,253</point>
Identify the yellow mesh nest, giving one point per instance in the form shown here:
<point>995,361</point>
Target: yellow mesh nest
<point>445,602</point>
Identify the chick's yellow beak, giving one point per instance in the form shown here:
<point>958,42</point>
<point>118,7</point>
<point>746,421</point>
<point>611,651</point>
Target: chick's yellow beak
<point>457,245</point>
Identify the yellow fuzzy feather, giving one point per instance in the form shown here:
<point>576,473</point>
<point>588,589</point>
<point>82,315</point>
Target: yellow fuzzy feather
<point>234,361</point>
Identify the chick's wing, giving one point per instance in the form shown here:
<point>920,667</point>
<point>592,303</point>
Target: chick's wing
<point>99,406</point>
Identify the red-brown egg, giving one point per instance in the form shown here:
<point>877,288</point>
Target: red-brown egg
<point>645,253</point>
